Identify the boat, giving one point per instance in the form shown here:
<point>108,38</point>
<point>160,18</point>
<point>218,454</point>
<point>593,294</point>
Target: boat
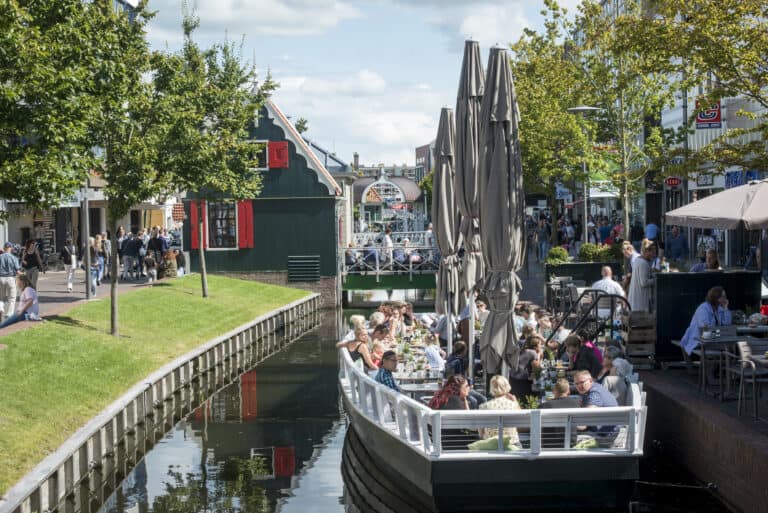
<point>413,446</point>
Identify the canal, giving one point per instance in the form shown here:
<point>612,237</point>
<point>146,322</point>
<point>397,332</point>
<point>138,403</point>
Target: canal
<point>272,441</point>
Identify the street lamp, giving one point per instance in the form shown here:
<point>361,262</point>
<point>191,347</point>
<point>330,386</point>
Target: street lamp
<point>584,110</point>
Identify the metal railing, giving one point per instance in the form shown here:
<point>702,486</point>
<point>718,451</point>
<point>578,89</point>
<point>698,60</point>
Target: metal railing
<point>378,261</point>
<point>377,238</point>
<point>548,433</point>
<point>599,300</point>
<point>88,467</point>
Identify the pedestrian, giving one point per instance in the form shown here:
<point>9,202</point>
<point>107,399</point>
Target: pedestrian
<point>9,268</point>
<point>68,256</point>
<point>97,244</point>
<point>151,266</point>
<point>106,244</point>
<point>31,262</point>
<point>29,308</point>
<point>93,272</point>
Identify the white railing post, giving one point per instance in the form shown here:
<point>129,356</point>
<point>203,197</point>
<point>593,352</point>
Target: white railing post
<point>631,429</point>
<point>437,435</point>
<point>535,418</point>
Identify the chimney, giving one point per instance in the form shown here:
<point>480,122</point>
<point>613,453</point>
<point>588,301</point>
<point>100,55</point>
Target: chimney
<point>355,161</point>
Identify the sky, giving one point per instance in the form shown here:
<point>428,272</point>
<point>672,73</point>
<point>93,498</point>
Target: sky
<point>370,76</point>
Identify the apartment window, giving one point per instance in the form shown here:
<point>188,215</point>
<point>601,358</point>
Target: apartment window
<point>222,225</point>
<point>259,155</point>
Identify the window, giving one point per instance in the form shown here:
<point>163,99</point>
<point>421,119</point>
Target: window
<point>222,225</point>
<point>259,156</point>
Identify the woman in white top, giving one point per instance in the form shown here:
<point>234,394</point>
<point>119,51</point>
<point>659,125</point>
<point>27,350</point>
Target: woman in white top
<point>29,308</point>
<point>502,400</point>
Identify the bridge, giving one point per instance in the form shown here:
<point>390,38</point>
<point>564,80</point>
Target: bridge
<point>411,263</point>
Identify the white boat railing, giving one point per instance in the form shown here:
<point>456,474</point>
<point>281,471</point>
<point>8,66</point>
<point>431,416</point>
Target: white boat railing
<point>377,260</point>
<point>545,433</point>
<point>423,238</point>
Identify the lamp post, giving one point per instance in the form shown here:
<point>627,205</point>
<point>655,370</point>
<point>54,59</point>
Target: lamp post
<point>583,110</point>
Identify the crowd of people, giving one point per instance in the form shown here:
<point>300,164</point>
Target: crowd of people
<point>598,371</point>
<point>141,255</point>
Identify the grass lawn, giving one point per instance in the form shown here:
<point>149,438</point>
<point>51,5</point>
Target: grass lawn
<point>56,375</point>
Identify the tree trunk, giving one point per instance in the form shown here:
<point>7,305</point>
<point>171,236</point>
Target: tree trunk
<point>113,268</point>
<point>625,193</point>
<point>201,246</point>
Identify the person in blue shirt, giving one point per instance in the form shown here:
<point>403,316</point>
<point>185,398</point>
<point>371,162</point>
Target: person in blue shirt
<point>651,231</point>
<point>676,246</point>
<point>593,395</point>
<point>713,312</point>
<point>388,365</point>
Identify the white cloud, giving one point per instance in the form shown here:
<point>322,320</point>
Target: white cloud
<point>252,17</point>
<point>382,121</point>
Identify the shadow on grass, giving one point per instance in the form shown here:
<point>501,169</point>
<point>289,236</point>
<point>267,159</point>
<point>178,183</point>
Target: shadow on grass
<point>71,322</point>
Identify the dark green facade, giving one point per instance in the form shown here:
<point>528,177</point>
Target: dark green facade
<point>295,214</point>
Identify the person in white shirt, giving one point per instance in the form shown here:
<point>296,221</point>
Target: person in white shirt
<point>29,308</point>
<point>435,355</point>
<point>607,284</point>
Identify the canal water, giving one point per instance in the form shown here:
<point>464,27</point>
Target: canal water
<point>272,441</point>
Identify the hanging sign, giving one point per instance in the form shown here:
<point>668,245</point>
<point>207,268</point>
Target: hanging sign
<point>673,181</point>
<point>709,118</point>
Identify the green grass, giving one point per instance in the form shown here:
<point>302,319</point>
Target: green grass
<point>56,375</point>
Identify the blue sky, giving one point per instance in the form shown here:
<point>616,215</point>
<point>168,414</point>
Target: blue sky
<point>370,76</point>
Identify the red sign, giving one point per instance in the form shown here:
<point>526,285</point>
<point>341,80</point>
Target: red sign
<point>673,181</point>
<point>278,154</point>
<point>709,118</point>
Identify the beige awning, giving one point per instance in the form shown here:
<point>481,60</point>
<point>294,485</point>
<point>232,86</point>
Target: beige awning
<point>727,210</point>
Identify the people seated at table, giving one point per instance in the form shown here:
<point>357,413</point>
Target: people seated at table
<point>593,395</point>
<point>456,363</point>
<point>563,398</point>
<point>545,325</point>
<point>588,335</point>
<point>355,322</point>
<point>581,358</point>
<point>607,284</point>
<point>434,353</point>
<point>388,366</point>
<point>502,400</point>
<point>528,360</point>
<point>380,333</point>
<point>613,376</point>
<point>711,263</point>
<point>358,349</point>
<point>351,256</point>
<point>453,395</point>
<point>641,284</point>
<point>377,353</point>
<point>441,327</point>
<point>712,313</point>
<point>375,319</point>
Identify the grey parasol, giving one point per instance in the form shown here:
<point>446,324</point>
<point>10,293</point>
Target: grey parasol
<point>468,99</point>
<point>727,210</point>
<point>502,209</point>
<point>445,218</point>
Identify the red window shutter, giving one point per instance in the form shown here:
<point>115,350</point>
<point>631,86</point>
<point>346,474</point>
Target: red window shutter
<point>249,217</point>
<point>242,224</point>
<point>249,396</point>
<point>284,461</point>
<point>194,234</point>
<point>278,154</point>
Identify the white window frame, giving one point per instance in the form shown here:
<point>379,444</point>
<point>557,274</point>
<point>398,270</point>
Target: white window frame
<point>261,167</point>
<point>237,227</point>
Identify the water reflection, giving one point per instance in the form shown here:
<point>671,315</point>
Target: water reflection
<point>270,441</point>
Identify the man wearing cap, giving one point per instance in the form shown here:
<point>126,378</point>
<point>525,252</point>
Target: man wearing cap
<point>9,268</point>
<point>388,364</point>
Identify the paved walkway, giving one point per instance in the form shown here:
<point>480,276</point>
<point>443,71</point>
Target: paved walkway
<point>55,300</point>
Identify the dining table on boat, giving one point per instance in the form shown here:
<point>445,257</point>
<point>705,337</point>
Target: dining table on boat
<point>418,390</point>
<point>721,339</point>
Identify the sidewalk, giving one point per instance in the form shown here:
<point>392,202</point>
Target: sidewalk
<point>55,300</point>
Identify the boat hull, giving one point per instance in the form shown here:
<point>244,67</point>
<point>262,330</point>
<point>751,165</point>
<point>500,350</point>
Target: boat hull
<point>545,484</point>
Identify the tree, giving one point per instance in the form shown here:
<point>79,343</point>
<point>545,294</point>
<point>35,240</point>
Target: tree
<point>721,46</point>
<point>625,84</point>
<point>302,125</point>
<point>45,70</point>
<point>206,147</point>
<point>548,81</point>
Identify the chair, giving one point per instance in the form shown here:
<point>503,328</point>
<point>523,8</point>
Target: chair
<point>749,371</point>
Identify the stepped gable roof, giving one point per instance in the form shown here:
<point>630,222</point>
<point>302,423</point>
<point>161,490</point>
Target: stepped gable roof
<point>302,148</point>
<point>411,189</point>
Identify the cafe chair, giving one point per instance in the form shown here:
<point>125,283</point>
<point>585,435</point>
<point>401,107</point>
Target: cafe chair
<point>749,372</point>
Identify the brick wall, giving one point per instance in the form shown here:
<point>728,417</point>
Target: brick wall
<point>327,287</point>
<point>714,446</point>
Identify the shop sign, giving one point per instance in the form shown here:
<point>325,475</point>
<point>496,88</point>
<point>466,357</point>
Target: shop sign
<point>673,181</point>
<point>705,180</point>
<point>709,118</point>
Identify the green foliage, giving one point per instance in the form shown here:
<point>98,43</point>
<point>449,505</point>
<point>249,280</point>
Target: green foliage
<point>696,42</point>
<point>302,125</point>
<point>557,256</point>
<point>589,252</point>
<point>426,187</point>
<point>73,368</point>
<point>530,402</point>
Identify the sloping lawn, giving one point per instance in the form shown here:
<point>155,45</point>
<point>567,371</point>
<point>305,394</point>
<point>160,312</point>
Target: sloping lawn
<point>56,375</point>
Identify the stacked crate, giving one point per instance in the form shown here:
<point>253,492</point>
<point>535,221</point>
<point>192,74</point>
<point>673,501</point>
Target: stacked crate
<point>641,340</point>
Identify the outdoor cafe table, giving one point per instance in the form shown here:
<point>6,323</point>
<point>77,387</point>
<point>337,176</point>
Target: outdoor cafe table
<point>728,337</point>
<point>415,390</point>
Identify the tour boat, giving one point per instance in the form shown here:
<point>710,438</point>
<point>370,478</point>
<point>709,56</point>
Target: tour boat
<point>400,440</point>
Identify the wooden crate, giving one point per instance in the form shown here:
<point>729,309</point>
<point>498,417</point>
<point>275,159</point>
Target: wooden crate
<point>642,362</point>
<point>641,320</point>
<point>641,335</point>
<point>647,349</point>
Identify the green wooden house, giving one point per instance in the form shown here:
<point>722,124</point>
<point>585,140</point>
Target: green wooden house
<point>287,235</point>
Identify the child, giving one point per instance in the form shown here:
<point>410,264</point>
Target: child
<point>151,265</point>
<point>377,352</point>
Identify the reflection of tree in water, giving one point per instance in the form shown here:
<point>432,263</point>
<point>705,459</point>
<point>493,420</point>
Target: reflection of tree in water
<point>233,487</point>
